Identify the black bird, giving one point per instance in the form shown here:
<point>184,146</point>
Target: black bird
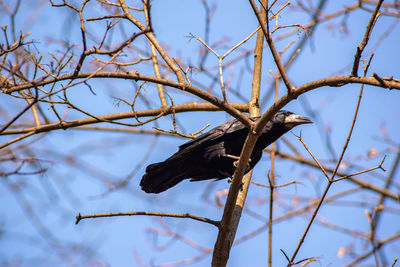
<point>214,154</point>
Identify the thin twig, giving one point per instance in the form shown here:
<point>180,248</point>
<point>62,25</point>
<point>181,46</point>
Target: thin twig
<point>364,42</point>
<point>331,178</point>
<point>271,45</point>
<point>80,217</point>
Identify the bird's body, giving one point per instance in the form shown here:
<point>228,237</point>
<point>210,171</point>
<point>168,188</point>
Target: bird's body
<point>213,155</point>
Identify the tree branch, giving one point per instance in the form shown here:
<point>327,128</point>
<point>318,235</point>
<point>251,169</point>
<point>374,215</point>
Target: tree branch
<point>80,217</point>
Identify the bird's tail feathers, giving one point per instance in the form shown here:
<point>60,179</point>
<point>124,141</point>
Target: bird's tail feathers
<point>163,175</point>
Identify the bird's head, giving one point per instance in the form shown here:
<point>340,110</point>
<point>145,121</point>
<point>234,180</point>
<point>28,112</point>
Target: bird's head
<point>290,119</point>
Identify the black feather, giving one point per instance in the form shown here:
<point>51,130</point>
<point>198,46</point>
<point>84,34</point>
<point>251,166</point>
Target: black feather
<point>212,155</point>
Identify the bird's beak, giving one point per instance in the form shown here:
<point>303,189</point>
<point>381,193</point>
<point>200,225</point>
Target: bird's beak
<point>294,120</point>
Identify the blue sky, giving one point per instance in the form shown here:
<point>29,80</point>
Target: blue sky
<point>103,158</point>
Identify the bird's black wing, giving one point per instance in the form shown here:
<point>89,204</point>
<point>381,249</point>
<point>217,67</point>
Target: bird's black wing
<point>218,132</point>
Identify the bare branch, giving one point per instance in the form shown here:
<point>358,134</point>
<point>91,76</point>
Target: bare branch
<point>80,217</point>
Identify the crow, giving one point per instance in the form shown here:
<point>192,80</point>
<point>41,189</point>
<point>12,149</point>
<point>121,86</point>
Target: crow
<point>215,154</point>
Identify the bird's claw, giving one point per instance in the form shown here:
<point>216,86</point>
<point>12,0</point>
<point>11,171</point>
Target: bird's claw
<point>230,180</point>
<point>236,163</point>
